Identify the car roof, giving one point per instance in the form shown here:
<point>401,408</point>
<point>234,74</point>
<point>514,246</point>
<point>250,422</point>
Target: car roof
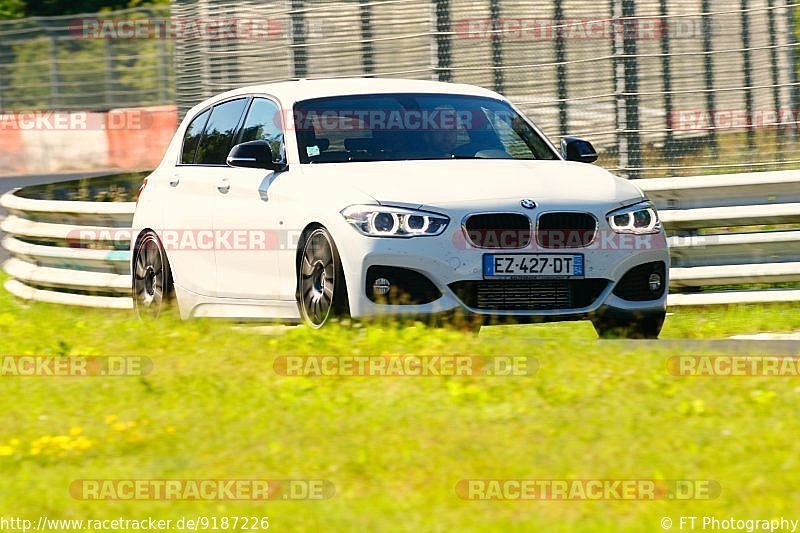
<point>290,92</point>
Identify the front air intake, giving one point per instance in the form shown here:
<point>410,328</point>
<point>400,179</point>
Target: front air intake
<point>529,295</point>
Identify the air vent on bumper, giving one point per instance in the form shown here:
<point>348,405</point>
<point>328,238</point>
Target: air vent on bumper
<point>529,295</point>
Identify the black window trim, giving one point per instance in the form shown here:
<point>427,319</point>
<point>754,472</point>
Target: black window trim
<point>253,98</point>
<point>236,135</point>
<point>191,122</point>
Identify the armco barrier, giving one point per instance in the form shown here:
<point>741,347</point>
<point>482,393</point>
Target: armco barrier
<point>731,229</point>
<point>44,267</point>
<point>727,230</point>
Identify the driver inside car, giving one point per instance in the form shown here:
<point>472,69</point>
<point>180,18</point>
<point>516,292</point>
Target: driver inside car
<point>444,136</point>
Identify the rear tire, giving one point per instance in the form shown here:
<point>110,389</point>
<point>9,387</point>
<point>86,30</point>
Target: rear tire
<point>633,327</point>
<point>321,287</point>
<point>152,288</point>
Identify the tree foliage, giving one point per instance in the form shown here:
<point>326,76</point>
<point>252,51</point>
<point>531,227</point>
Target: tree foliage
<point>12,9</point>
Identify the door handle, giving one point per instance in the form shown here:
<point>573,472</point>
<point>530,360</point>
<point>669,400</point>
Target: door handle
<point>224,186</point>
<point>175,181</point>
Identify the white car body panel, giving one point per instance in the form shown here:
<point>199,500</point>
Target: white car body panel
<point>195,268</point>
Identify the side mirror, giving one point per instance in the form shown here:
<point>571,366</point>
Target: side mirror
<point>254,154</point>
<point>575,149</point>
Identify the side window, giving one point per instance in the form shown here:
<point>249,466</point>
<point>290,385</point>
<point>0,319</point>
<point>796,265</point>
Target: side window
<point>218,137</point>
<point>192,137</point>
<point>264,124</point>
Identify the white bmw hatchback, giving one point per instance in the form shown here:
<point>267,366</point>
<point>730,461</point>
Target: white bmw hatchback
<point>310,200</point>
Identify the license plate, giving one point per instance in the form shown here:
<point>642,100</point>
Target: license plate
<point>533,265</point>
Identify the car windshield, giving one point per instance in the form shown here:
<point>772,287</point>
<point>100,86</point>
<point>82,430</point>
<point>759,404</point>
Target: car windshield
<point>398,127</point>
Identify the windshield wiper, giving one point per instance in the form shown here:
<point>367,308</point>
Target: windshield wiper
<point>494,158</point>
<point>348,160</point>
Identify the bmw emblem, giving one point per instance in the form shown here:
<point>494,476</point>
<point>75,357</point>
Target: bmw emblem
<point>527,203</point>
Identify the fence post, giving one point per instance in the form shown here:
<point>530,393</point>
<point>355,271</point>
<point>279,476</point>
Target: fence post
<point>626,87</point>
<point>561,68</point>
<point>773,60</point>
<point>444,59</point>
<point>367,46</point>
<point>497,46</point>
<point>794,97</point>
<point>299,52</point>
<point>708,64</point>
<point>748,76</point>
<point>55,81</point>
<point>666,75</point>
<point>773,55</point>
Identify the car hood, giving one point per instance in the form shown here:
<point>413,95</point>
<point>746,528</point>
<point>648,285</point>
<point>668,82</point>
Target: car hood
<point>471,182</point>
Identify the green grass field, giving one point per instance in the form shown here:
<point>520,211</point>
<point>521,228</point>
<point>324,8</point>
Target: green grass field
<point>395,448</point>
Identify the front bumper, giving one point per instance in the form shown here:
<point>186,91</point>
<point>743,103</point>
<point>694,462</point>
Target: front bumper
<point>447,259</point>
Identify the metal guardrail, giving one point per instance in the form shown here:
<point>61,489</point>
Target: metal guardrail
<point>45,267</point>
<point>727,230</point>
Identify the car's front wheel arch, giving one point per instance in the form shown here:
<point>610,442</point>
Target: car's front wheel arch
<point>340,306</point>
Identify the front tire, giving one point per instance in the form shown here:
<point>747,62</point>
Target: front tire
<point>322,292</point>
<point>629,327</point>
<point>152,286</point>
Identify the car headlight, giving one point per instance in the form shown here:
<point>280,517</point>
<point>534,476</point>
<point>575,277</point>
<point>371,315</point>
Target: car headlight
<point>380,221</point>
<point>639,219</point>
